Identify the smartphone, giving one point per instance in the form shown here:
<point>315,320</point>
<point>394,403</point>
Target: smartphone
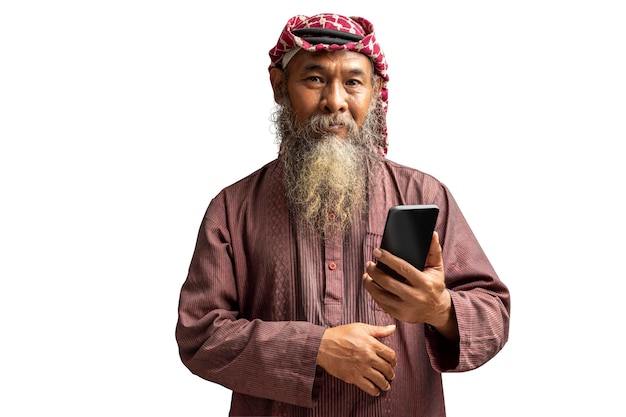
<point>407,235</point>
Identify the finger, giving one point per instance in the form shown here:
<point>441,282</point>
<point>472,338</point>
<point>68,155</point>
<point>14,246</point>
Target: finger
<point>381,279</point>
<point>368,386</point>
<point>385,370</point>
<point>434,258</point>
<point>379,380</point>
<point>374,275</point>
<point>382,293</point>
<point>380,331</point>
<point>386,358</point>
<point>389,356</point>
<point>402,267</point>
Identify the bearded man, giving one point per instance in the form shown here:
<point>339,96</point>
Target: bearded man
<point>283,303</point>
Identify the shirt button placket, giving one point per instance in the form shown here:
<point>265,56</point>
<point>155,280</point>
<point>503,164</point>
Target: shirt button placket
<point>333,298</point>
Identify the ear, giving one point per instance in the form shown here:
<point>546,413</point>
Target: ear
<point>378,85</point>
<point>276,77</point>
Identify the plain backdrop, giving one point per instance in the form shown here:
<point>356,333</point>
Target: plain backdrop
<point>120,120</point>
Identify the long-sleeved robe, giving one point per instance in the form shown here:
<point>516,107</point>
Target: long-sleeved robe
<point>260,292</point>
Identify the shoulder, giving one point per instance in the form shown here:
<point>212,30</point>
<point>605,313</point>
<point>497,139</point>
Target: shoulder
<point>260,185</point>
<point>407,171</point>
<point>408,179</point>
<point>269,173</point>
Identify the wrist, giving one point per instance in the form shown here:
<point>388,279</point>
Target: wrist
<point>445,323</point>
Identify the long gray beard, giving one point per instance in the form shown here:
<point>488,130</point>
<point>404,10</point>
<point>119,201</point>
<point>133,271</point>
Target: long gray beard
<point>326,177</point>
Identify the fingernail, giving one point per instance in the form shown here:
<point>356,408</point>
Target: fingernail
<point>377,253</point>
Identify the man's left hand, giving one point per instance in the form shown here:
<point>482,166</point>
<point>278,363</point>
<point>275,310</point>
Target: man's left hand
<point>423,298</point>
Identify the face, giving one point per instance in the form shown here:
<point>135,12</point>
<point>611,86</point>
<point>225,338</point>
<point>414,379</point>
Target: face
<point>336,83</point>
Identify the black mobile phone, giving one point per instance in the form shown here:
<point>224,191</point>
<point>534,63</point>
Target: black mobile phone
<point>407,235</point>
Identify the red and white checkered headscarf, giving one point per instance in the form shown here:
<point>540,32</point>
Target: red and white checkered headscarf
<point>332,32</point>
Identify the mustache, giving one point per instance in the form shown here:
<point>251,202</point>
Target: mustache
<point>320,123</point>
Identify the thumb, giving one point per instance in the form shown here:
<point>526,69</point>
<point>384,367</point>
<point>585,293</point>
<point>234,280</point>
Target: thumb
<point>381,331</point>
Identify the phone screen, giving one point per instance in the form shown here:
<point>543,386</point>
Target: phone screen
<point>408,233</point>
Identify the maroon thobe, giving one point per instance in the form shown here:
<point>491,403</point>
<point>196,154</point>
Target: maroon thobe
<point>260,292</point>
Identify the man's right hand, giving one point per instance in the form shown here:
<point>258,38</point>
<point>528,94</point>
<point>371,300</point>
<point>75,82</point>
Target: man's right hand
<point>354,354</point>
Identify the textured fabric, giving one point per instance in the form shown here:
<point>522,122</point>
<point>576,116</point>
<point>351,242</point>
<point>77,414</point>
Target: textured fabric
<point>260,293</point>
<point>368,45</point>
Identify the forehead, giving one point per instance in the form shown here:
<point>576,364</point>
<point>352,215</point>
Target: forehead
<point>331,60</point>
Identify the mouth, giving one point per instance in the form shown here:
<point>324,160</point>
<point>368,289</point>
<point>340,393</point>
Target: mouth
<point>322,125</point>
<point>338,131</point>
<point>335,128</point>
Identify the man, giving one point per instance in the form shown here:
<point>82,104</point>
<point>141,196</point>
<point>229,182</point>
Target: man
<point>284,304</point>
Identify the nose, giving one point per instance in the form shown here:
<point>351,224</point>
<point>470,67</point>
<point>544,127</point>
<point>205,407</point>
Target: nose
<point>334,98</point>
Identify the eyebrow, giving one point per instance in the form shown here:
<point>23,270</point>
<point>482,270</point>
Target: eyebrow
<point>318,67</point>
<point>314,67</point>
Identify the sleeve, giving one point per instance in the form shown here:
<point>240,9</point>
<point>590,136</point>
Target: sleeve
<point>481,300</point>
<point>267,359</point>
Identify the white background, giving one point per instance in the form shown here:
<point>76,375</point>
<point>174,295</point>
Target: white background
<point>120,120</point>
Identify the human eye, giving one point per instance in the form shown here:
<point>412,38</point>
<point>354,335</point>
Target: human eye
<point>314,79</point>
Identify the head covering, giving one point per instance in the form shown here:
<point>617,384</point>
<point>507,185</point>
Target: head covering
<point>331,32</point>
